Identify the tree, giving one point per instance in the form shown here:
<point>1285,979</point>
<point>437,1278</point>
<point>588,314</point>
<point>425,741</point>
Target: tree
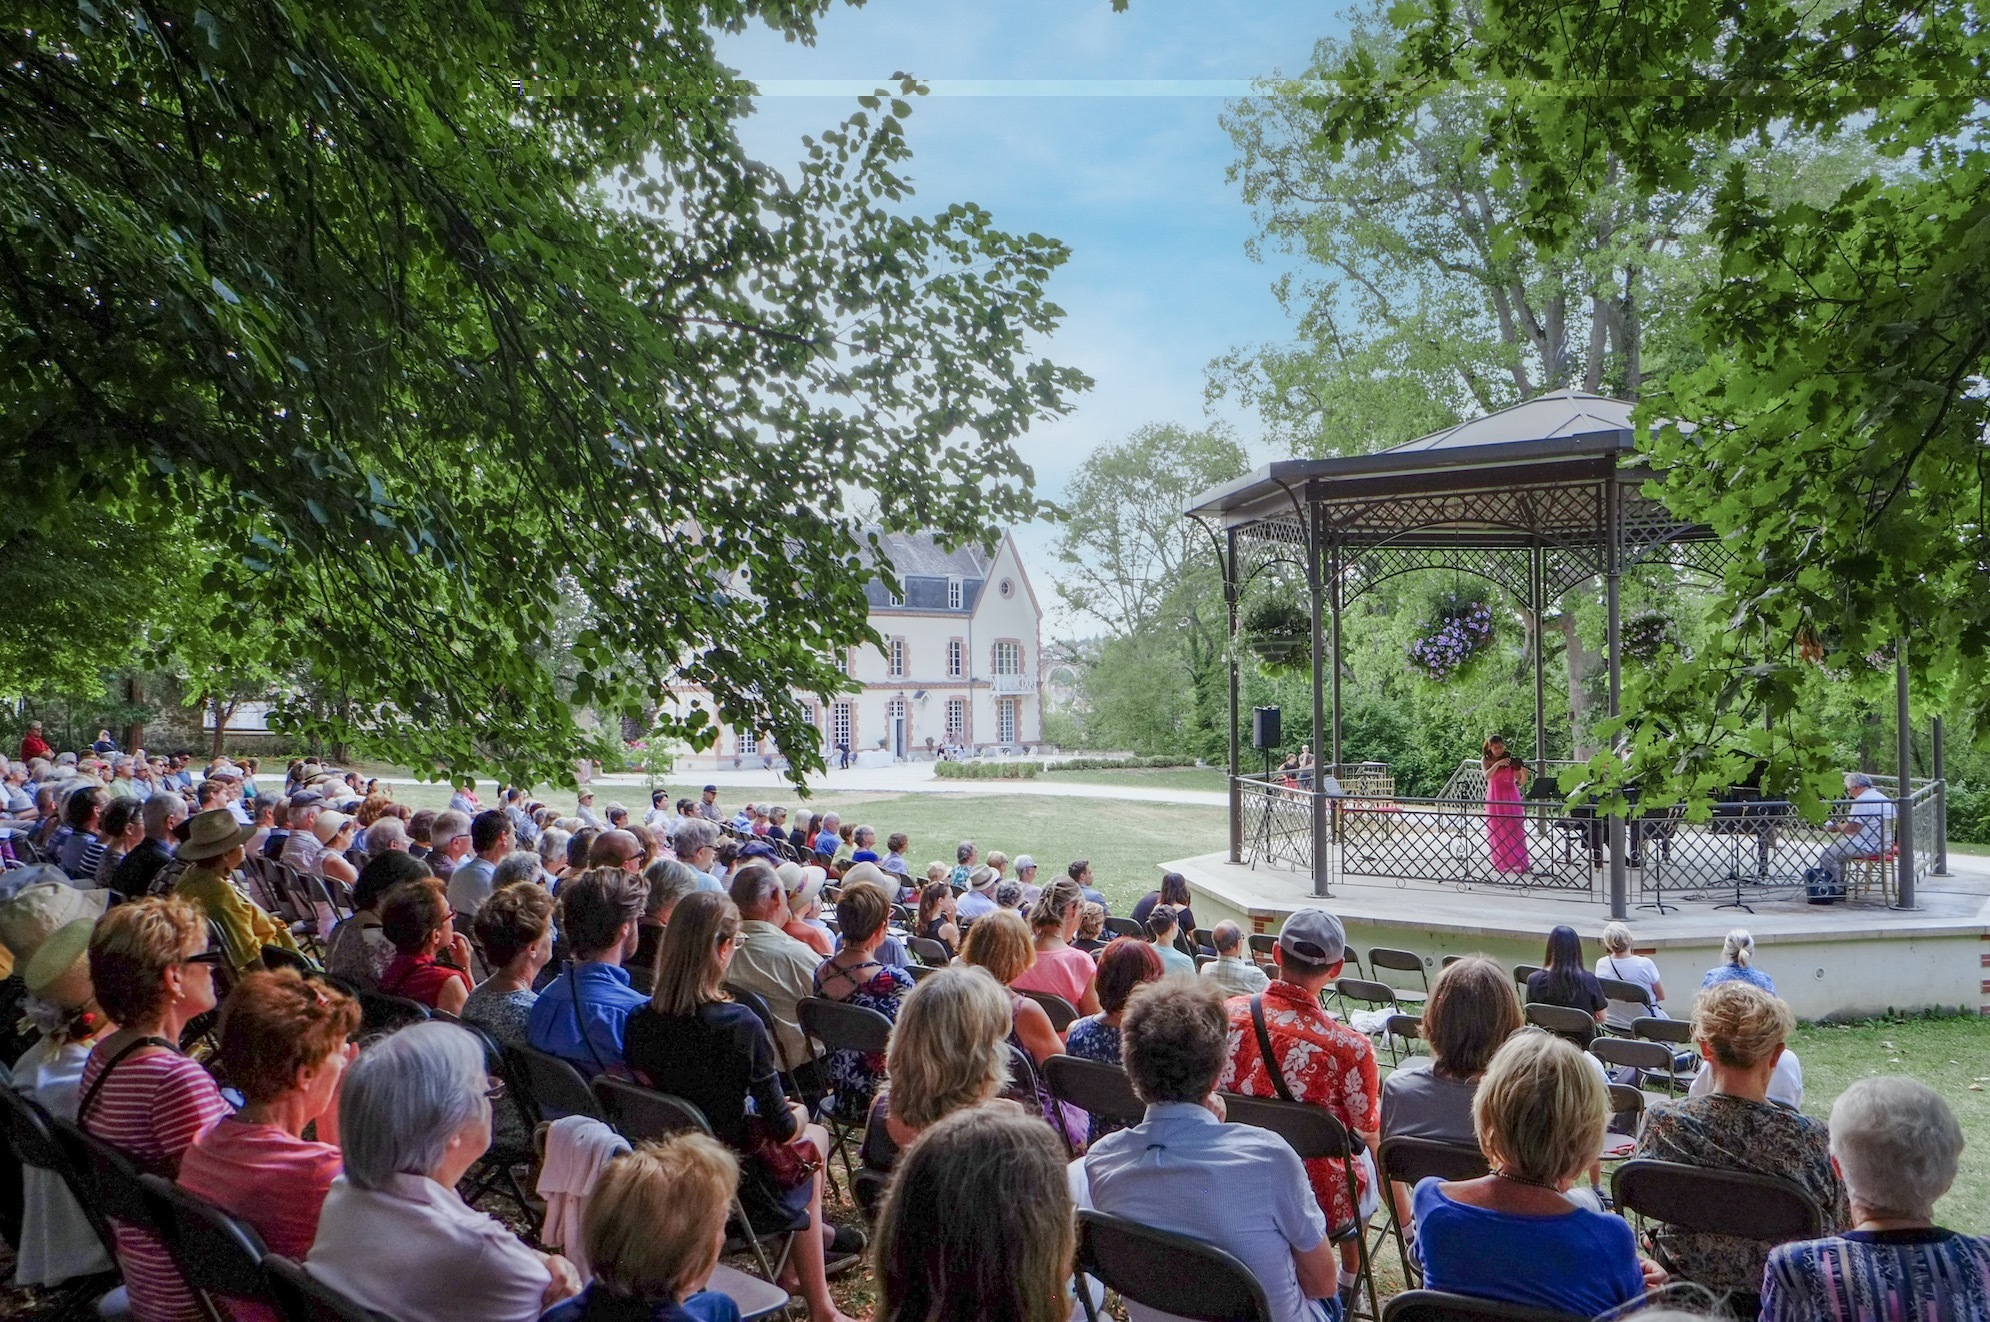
<point>1132,562</point>
<point>1834,434</point>
<point>415,312</point>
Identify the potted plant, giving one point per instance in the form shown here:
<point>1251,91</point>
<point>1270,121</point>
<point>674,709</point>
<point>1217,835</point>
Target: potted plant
<point>1280,633</point>
<point>1456,629</point>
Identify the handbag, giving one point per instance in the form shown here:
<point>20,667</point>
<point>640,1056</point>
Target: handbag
<point>783,1162</point>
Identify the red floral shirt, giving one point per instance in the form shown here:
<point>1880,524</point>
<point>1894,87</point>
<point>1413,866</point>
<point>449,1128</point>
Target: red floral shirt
<point>1324,1062</point>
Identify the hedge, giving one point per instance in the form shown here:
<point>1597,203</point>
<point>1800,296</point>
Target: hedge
<point>1117,763</point>
<point>987,770</point>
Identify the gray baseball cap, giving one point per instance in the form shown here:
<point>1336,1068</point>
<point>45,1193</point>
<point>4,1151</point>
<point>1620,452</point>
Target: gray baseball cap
<point>1313,937</point>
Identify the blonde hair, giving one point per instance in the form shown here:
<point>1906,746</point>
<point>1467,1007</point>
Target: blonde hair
<point>948,1047</point>
<point>1001,943</point>
<point>1616,938</point>
<point>1738,948</point>
<point>132,947</point>
<point>1055,902</point>
<point>689,972</point>
<point>1540,1110</point>
<point>938,871</point>
<point>652,1227</point>
<point>1742,1023</point>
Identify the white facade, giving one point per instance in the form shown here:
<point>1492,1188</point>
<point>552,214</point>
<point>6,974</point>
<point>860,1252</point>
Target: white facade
<point>959,664</point>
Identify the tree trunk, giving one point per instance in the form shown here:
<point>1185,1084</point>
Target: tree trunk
<point>222,715</point>
<point>1578,666</point>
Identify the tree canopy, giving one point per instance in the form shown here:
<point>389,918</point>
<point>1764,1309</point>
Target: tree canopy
<point>393,319</point>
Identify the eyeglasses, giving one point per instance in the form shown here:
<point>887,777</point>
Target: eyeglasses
<point>496,1089</point>
<point>204,957</point>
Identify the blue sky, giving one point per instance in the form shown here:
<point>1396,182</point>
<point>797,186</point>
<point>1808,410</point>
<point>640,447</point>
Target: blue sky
<point>1101,129</point>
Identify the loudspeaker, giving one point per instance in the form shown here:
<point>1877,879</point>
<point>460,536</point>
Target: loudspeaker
<point>1264,728</point>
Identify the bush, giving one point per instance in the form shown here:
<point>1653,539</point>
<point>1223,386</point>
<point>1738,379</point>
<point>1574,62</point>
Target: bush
<point>987,770</point>
<point>1969,813</point>
<point>1117,763</point>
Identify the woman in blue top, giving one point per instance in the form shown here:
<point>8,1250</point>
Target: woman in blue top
<point>1737,952</point>
<point>654,1230</point>
<point>1513,1235</point>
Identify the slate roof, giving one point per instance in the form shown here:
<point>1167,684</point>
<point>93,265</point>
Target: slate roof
<point>917,555</point>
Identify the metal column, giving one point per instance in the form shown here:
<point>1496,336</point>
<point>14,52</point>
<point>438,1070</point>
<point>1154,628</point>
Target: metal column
<point>1903,827</point>
<point>1536,590</point>
<point>1941,800</point>
<point>1230,595</point>
<point>1322,842</point>
<point>1613,570</point>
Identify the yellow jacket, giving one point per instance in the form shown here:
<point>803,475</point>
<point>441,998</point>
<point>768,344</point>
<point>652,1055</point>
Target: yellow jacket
<point>245,927</point>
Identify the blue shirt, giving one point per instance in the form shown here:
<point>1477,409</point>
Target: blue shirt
<point>596,1305</point>
<point>1754,977</point>
<point>1235,1186</point>
<point>827,842</point>
<point>606,1002</point>
<point>1581,1262</point>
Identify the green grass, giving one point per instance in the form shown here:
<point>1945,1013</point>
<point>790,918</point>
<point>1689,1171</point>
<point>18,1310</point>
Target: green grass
<point>1174,778</point>
<point>1950,1055</point>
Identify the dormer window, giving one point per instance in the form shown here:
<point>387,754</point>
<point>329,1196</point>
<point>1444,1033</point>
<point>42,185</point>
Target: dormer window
<point>955,594</point>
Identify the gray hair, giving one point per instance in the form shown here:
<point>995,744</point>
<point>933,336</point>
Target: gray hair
<point>1009,895</point>
<point>1227,936</point>
<point>449,824</point>
<point>1739,948</point>
<point>553,843</point>
<point>1859,778</point>
<point>1616,937</point>
<point>670,881</point>
<point>516,869</point>
<point>830,821</point>
<point>384,835</point>
<point>122,762</point>
<point>696,834</point>
<point>404,1098</point>
<point>1897,1145</point>
<point>161,811</point>
<point>777,814</point>
<point>966,851</point>
<point>865,835</point>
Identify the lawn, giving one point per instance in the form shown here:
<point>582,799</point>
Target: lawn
<point>1173,778</point>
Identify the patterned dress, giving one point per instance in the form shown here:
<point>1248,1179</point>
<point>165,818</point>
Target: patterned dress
<point>1092,1038</point>
<point>1926,1275</point>
<point>854,1075</point>
<point>1323,1061</point>
<point>1733,1133</point>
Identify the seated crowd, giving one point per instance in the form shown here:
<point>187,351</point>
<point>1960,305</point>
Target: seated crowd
<point>685,954</point>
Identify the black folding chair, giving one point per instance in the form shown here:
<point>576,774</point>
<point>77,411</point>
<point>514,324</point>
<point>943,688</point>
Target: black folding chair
<point>1313,1133</point>
<point>220,1257</point>
<point>1400,961</point>
<point>1125,927</point>
<point>1644,1059</point>
<point>1438,1306</point>
<point>106,1180</point>
<point>1678,1032</point>
<point>1406,1028</point>
<point>1262,944</point>
<point>921,972</point>
<point>1062,1013</point>
<point>1629,1002</point>
<point>28,1131</point>
<point>305,1298</point>
<point>1669,1197</point>
<point>276,957</point>
<point>1575,1026</point>
<point>839,1026</point>
<point>1171,1273</point>
<point>1407,1160</point>
<point>1094,1087</point>
<point>929,952</point>
<point>548,1087</point>
<point>1627,1107</point>
<point>1522,972</point>
<point>382,1012</point>
<point>640,1113</point>
<point>1364,992</point>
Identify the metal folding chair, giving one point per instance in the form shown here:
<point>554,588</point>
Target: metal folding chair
<point>1125,927</point>
<point>929,952</point>
<point>220,1257</point>
<point>1171,1273</point>
<point>547,1086</point>
<point>1094,1087</point>
<point>1645,1058</point>
<point>842,1027</point>
<point>1313,1133</point>
<point>1400,961</point>
<point>1439,1306</point>
<point>1407,1160</point>
<point>304,1298</point>
<point>1574,1025</point>
<point>28,1130</point>
<point>1667,1196</point>
<point>1062,1013</point>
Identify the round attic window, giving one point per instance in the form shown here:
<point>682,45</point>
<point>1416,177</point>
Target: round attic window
<point>1008,588</point>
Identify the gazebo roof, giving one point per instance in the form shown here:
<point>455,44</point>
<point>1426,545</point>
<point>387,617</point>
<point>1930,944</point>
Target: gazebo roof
<point>1536,474</point>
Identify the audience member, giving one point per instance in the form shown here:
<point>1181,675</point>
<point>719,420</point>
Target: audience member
<point>1232,970</point>
<point>1740,1030</point>
<point>123,826</point>
<point>1618,962</point>
<point>670,881</point>
<point>518,868</point>
<point>1163,1171</point>
<point>894,862</point>
<point>1059,968</point>
<point>1164,926</point>
<point>1091,928</point>
<point>1026,878</point>
<point>616,848</point>
<point>215,846</point>
<point>359,950</point>
<point>854,976</point>
<point>1564,981</point>
<point>773,965</point>
<point>335,831</point>
<point>79,853</point>
<point>387,835</point>
<point>1174,891</point>
<point>697,844</point>
<point>421,829</point>
<point>415,917</point>
<point>492,838</point>
<point>515,929</point>
<point>963,871</point>
<point>393,1235</point>
<point>284,1048</point>
<point>580,1015</point>
<point>694,1041</point>
<point>1000,945</point>
<point>1514,1235</point>
<point>1080,871</point>
<point>948,1051</point>
<point>1738,964</point>
<point>1897,1145</point>
<point>937,911</point>
<point>654,1229</point>
<point>300,847</point>
<point>552,850</point>
<point>153,974</point>
<point>1123,966</point>
<point>450,843</point>
<point>978,1224</point>
<point>1319,1060</point>
<point>1471,1012</point>
<point>977,900</point>
<point>803,886</point>
<point>143,863</point>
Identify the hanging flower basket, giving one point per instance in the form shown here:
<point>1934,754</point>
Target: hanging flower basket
<point>1280,633</point>
<point>1457,629</point>
<point>1648,633</point>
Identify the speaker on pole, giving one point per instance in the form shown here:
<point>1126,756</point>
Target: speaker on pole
<point>1265,734</point>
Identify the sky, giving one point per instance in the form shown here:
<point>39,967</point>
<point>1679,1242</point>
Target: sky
<point>1100,129</point>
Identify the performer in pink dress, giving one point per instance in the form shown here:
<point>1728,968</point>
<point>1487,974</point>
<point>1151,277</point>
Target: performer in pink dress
<point>1506,822</point>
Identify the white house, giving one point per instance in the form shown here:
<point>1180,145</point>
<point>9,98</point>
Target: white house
<point>959,663</point>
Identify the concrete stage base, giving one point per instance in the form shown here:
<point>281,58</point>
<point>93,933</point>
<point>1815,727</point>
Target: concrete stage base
<point>1844,960</point>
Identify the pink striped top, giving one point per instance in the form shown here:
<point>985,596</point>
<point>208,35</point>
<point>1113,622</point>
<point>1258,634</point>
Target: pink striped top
<point>152,1108</point>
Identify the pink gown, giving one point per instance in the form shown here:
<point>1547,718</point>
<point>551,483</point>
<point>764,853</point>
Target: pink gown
<point>1506,824</point>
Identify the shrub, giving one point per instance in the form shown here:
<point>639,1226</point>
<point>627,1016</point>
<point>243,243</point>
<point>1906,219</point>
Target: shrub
<point>987,770</point>
<point>1117,763</point>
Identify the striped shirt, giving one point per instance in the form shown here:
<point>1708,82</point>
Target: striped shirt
<point>152,1108</point>
<point>1910,1275</point>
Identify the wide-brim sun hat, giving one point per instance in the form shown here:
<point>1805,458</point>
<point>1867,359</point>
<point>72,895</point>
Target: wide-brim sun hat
<point>39,910</point>
<point>60,970</point>
<point>328,825</point>
<point>211,834</point>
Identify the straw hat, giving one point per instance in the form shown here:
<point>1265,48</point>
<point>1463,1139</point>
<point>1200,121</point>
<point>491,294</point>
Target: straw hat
<point>38,911</point>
